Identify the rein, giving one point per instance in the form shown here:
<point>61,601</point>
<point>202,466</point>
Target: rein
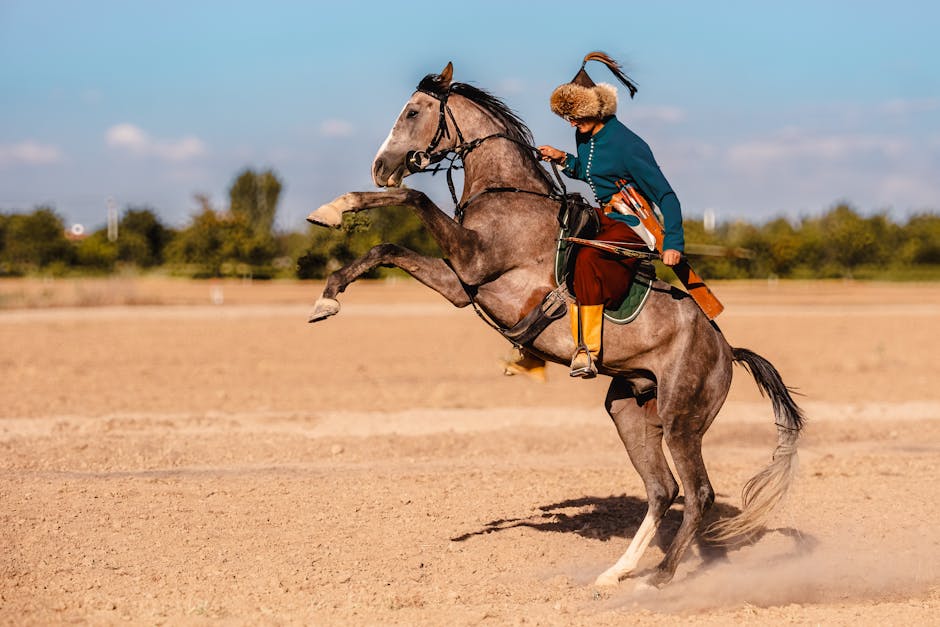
<point>417,160</point>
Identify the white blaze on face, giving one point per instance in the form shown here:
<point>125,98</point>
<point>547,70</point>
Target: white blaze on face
<point>391,134</point>
<point>382,150</point>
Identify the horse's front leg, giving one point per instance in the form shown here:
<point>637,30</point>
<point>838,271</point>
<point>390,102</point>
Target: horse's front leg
<point>431,271</point>
<point>331,214</point>
<point>460,245</point>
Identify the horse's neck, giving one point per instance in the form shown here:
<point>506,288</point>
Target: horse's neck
<point>499,164</point>
<point>496,162</point>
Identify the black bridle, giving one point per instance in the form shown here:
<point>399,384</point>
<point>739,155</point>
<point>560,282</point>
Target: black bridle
<point>417,160</point>
<point>420,160</point>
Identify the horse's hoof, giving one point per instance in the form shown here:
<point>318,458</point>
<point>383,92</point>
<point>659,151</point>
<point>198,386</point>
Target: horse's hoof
<point>643,587</point>
<point>323,309</point>
<point>607,579</point>
<point>657,580</point>
<point>327,215</point>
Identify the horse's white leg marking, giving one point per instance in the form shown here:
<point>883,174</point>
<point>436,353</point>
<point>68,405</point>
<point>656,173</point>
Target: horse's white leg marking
<point>323,308</point>
<point>330,214</point>
<point>629,560</point>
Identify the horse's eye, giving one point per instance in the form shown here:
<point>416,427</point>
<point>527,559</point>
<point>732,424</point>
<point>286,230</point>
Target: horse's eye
<point>412,113</point>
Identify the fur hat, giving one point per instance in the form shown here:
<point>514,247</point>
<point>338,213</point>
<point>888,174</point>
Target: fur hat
<point>582,98</point>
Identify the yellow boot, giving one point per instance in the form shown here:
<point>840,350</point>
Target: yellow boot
<point>523,362</point>
<point>586,324</point>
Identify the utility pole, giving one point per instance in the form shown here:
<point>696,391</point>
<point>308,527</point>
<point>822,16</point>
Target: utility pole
<point>710,221</point>
<point>112,220</point>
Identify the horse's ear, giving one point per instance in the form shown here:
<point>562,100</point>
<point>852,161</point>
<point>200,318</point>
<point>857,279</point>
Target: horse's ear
<point>447,74</point>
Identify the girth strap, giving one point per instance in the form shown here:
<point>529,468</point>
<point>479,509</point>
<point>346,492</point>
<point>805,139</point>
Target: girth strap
<point>552,307</point>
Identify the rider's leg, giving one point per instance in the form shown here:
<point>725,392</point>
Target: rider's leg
<point>586,324</point>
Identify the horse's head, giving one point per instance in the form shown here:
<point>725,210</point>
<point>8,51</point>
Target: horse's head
<point>418,131</point>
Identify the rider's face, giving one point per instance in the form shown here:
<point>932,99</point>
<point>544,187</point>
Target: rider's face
<point>587,126</point>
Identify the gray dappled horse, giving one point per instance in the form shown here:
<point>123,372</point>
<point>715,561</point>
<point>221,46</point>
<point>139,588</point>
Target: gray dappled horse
<point>670,368</point>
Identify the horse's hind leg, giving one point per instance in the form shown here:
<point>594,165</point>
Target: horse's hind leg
<point>642,436</point>
<point>686,451</point>
<point>687,411</point>
<point>431,271</point>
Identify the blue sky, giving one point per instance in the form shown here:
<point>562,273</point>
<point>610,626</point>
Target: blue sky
<point>753,109</point>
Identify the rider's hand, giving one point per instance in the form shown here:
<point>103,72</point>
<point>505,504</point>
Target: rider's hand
<point>671,257</point>
<point>550,153</point>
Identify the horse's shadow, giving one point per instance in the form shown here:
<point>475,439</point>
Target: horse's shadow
<point>607,517</point>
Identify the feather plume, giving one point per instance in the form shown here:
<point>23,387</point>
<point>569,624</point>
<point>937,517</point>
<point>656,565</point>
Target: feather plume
<point>614,67</point>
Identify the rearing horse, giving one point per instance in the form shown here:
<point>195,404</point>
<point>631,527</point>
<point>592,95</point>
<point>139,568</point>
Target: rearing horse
<point>670,368</point>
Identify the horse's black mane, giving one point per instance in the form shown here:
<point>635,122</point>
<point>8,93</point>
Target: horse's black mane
<point>516,129</point>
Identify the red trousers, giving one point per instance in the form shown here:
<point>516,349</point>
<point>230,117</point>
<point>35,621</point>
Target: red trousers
<point>602,278</point>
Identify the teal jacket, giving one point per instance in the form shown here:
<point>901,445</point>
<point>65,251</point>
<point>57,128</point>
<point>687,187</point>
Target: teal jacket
<point>615,152</point>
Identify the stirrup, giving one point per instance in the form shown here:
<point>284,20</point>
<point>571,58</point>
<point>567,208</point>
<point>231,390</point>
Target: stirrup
<point>583,370</point>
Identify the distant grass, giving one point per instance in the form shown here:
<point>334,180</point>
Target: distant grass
<point>160,287</point>
<point>901,274</point>
<point>896,274</point>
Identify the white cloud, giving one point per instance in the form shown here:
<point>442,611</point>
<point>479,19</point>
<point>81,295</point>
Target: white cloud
<point>907,186</point>
<point>29,152</point>
<point>662,115</point>
<point>510,86</point>
<point>901,107</point>
<point>135,140</point>
<point>796,145</point>
<point>336,128</point>
<point>799,169</point>
<point>92,96</point>
<point>127,136</point>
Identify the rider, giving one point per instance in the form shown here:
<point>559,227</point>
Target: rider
<point>607,151</point>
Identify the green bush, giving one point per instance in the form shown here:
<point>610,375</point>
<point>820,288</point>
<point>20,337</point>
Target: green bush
<point>34,241</point>
<point>330,249</point>
<point>142,238</point>
<point>95,252</point>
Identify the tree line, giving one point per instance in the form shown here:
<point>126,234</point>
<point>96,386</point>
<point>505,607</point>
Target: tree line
<point>840,243</point>
<point>241,240</point>
<point>236,241</point>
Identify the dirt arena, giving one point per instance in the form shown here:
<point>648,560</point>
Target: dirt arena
<point>194,452</point>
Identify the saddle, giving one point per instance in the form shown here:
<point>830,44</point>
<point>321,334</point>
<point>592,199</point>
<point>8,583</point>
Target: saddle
<point>579,219</point>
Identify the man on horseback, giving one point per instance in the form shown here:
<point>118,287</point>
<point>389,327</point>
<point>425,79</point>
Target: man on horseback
<point>607,152</point>
<point>670,374</point>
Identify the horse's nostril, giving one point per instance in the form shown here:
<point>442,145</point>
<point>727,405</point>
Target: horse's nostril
<point>377,166</point>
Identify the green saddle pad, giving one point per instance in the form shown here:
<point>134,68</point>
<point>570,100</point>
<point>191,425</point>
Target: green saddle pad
<point>632,303</point>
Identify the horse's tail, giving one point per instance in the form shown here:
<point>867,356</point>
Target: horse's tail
<point>767,488</point>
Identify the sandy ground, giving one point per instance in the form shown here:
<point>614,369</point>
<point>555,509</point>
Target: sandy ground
<point>166,460</point>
